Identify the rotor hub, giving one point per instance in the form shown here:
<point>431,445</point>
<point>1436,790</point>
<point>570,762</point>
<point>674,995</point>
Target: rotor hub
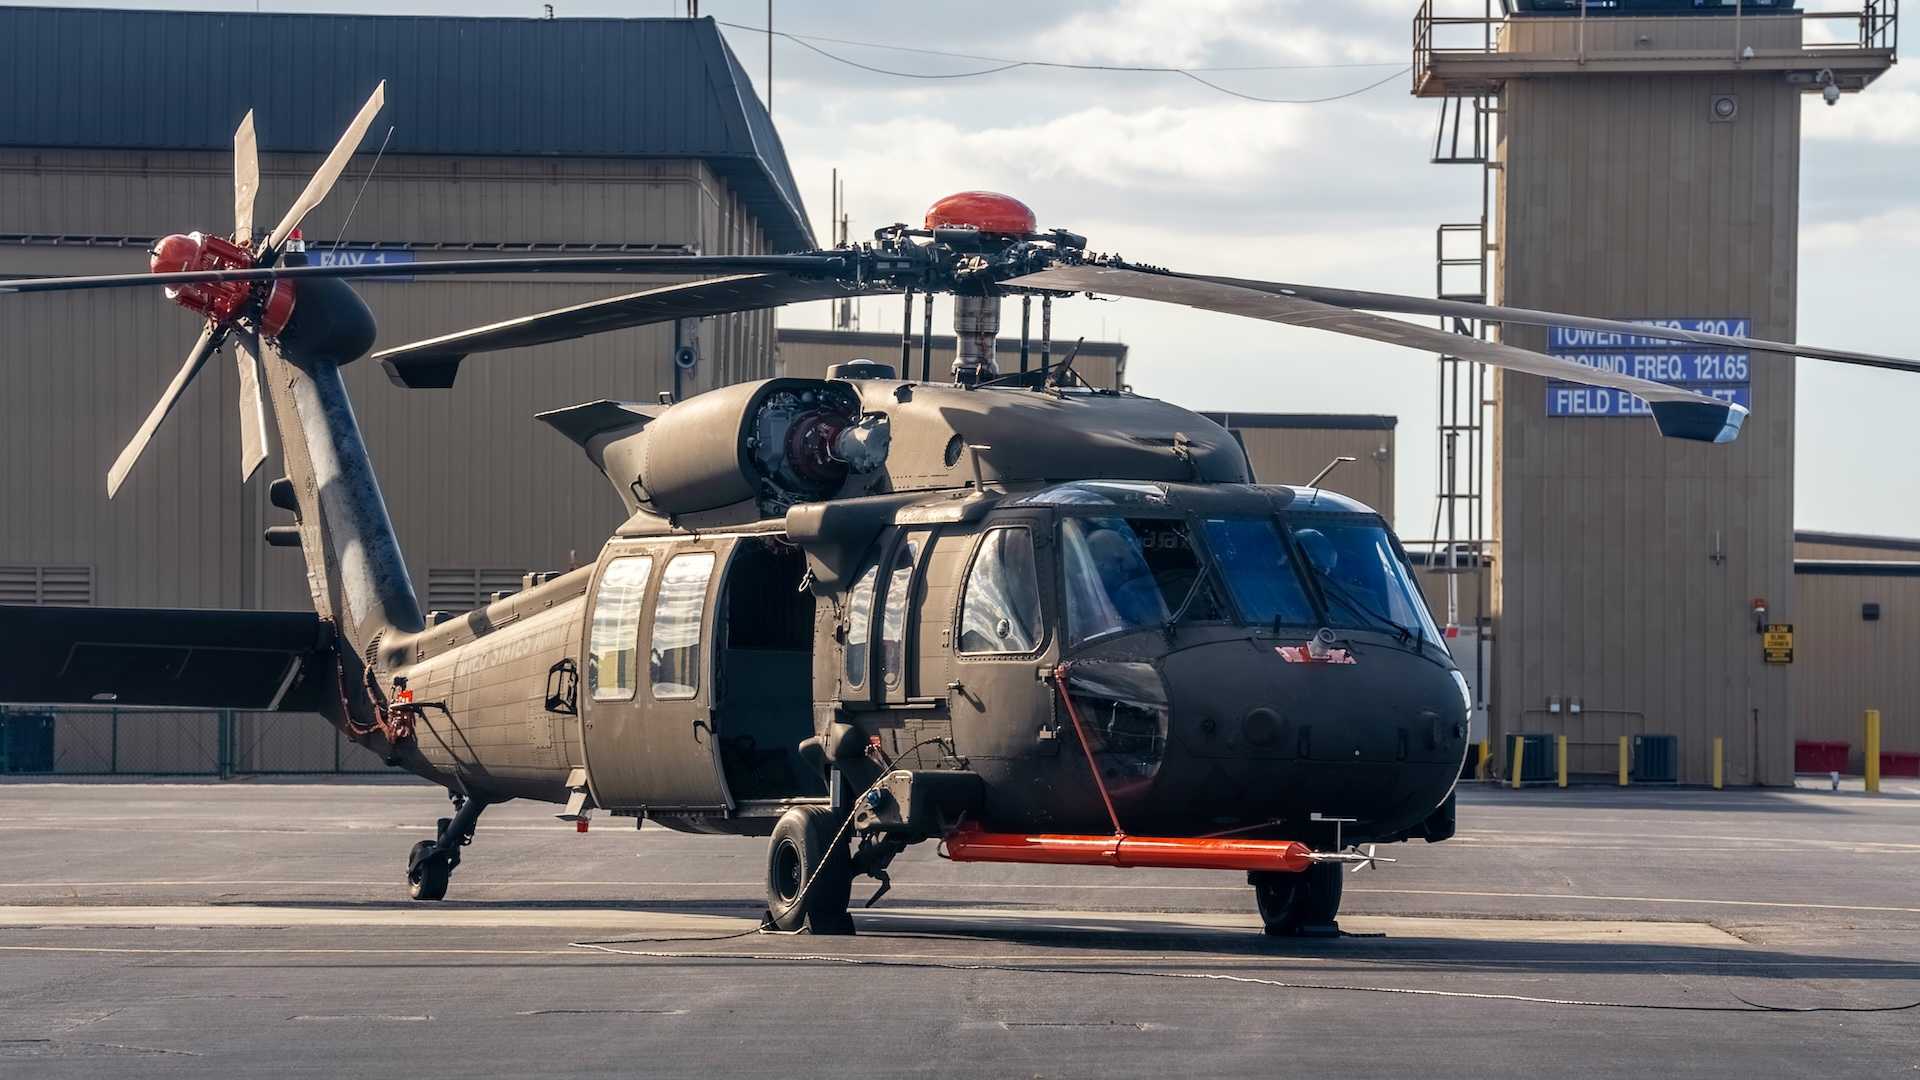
<point>220,301</point>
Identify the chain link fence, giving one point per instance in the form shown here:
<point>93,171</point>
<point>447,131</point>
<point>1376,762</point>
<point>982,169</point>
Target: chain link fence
<point>96,741</point>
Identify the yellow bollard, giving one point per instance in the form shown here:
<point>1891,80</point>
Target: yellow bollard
<point>1625,758</point>
<point>1719,762</point>
<point>1519,755</point>
<point>1485,768</point>
<point>1873,750</point>
<point>1562,748</point>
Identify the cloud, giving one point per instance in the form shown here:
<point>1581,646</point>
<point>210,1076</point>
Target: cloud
<point>1880,115</point>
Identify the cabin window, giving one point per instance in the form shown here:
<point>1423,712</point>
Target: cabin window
<point>613,647</point>
<point>1259,572</point>
<point>1000,610</point>
<point>1129,573</point>
<point>676,625</point>
<point>893,618</point>
<point>859,620</point>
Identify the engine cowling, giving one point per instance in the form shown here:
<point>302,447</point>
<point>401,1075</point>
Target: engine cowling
<point>765,445</point>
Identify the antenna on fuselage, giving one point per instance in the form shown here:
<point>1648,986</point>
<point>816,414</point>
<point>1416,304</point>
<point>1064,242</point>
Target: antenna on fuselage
<point>1322,474</point>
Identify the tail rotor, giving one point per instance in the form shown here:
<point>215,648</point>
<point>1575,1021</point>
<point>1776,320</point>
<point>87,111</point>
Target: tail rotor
<point>245,312</point>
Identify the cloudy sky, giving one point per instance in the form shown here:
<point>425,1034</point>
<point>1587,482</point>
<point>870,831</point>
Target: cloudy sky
<point>1165,170</point>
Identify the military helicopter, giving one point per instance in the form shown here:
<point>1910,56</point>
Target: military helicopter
<point>1005,612</point>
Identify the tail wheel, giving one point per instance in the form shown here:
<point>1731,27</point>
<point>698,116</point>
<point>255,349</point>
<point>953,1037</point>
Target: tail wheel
<point>809,878</point>
<point>1304,904</point>
<point>427,873</point>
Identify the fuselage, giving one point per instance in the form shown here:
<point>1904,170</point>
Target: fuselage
<point>1181,618</point>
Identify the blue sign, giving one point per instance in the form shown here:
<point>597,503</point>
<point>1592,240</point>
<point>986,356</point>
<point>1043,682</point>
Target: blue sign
<point>1686,367</point>
<point>1563,339</point>
<point>1704,369</point>
<point>1572,399</point>
<point>349,256</point>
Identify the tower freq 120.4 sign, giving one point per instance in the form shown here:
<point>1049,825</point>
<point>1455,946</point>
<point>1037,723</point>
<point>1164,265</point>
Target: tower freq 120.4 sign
<point>1708,369</point>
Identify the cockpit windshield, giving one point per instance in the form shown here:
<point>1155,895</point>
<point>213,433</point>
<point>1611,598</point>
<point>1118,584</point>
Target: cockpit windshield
<point>1128,573</point>
<point>1366,585</point>
<point>1259,572</point>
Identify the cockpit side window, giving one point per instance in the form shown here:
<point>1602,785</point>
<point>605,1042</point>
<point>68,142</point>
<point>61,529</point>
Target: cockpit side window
<point>893,617</point>
<point>860,627</point>
<point>1127,573</point>
<point>1000,610</point>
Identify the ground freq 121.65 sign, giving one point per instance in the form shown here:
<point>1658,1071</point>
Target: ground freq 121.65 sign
<point>1705,368</point>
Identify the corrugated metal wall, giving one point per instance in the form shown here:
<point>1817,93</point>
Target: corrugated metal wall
<point>1845,664</point>
<point>1628,562</point>
<point>1294,454</point>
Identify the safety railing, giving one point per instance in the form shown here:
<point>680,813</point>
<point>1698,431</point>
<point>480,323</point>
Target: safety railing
<point>1873,26</point>
<point>1876,26</point>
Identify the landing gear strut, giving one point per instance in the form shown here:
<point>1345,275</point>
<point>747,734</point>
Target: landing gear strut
<point>809,876</point>
<point>431,862</point>
<point>1303,904</point>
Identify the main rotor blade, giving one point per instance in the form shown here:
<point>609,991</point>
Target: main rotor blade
<point>430,362</point>
<point>820,265</point>
<point>1417,305</point>
<point>1679,413</point>
<point>330,169</point>
<point>253,404</point>
<point>246,180</point>
<point>210,337</point>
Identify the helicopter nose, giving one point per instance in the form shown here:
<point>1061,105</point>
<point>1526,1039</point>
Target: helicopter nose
<point>1377,735</point>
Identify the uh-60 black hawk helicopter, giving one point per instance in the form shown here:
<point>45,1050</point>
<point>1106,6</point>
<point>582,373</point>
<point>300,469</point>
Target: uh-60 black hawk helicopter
<point>1031,620</point>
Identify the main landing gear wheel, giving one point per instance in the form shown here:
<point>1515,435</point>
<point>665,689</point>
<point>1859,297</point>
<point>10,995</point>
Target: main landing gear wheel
<point>1304,904</point>
<point>427,872</point>
<point>431,863</point>
<point>809,878</point>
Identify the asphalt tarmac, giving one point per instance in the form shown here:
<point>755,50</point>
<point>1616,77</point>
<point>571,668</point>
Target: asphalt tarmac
<point>263,929</point>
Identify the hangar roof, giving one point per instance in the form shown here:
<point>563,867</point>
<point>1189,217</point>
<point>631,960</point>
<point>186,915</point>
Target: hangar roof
<point>649,88</point>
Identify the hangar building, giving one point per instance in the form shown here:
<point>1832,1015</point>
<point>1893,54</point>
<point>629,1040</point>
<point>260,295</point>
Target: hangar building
<point>498,144</point>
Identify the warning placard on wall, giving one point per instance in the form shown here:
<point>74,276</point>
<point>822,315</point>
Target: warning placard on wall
<point>1776,643</point>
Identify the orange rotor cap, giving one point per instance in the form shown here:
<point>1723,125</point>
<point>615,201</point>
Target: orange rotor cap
<point>988,211</point>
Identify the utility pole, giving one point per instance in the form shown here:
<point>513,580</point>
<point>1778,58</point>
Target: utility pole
<point>845,315</point>
<point>769,59</point>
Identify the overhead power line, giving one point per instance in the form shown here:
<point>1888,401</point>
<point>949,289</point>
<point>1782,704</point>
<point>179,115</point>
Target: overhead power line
<point>1000,64</point>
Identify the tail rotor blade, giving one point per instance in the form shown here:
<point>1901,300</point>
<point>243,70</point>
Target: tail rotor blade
<point>196,359</point>
<point>246,180</point>
<point>330,169</point>
<point>253,405</point>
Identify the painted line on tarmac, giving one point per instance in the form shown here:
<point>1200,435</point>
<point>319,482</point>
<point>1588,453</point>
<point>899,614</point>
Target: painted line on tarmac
<point>1727,967</point>
<point>1638,900</point>
<point>1659,846</point>
<point>943,886</point>
<point>738,886</point>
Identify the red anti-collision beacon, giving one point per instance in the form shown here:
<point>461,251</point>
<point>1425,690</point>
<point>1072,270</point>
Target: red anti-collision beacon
<point>988,211</point>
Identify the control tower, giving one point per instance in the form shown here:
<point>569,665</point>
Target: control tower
<point>1642,161</point>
